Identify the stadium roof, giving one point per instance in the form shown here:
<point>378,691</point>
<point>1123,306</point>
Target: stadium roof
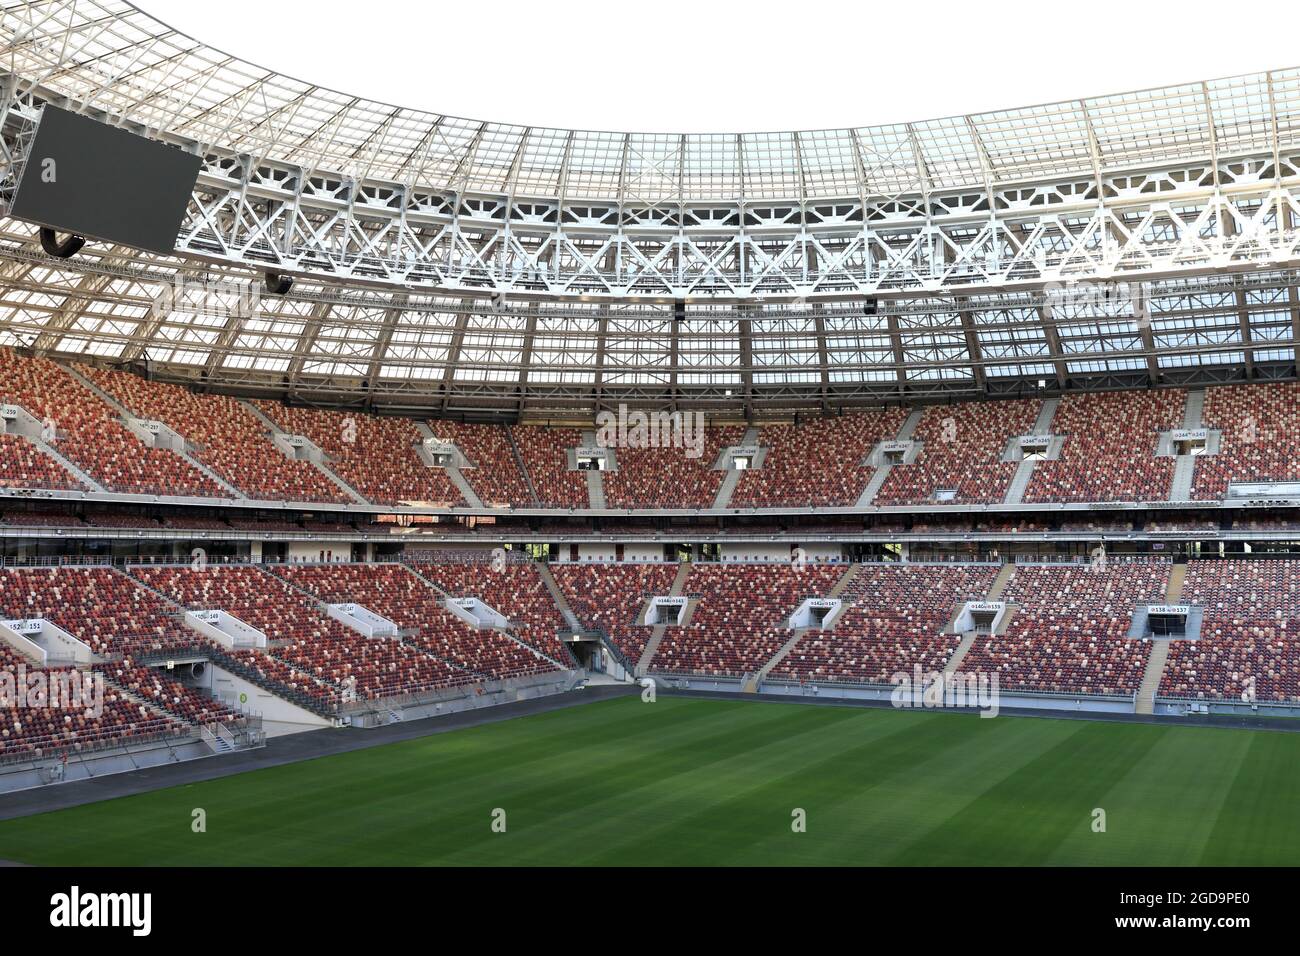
<point>130,65</point>
<point>470,267</point>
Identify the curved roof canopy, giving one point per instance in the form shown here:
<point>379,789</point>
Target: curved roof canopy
<point>134,67</point>
<point>464,267</point>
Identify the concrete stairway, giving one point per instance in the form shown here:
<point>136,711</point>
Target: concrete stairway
<point>1174,589</point>
<point>1025,471</point>
<point>657,634</point>
<point>596,488</point>
<point>558,597</point>
<point>125,571</point>
<point>186,453</point>
<point>339,483</point>
<point>1146,696</point>
<point>519,463</point>
<point>507,632</point>
<point>1001,581</point>
<point>47,449</point>
<point>754,681</point>
<point>1020,483</point>
<point>261,417</point>
<point>457,476</point>
<point>727,489</point>
<point>882,471</point>
<point>954,662</point>
<point>463,486</point>
<point>571,619</point>
<point>1155,669</point>
<point>595,479</point>
<point>320,466</point>
<point>732,479</point>
<point>1180,488</point>
<point>845,581</point>
<point>909,427</point>
<point>1194,410</point>
<point>1043,423</point>
<point>970,637</point>
<point>873,486</point>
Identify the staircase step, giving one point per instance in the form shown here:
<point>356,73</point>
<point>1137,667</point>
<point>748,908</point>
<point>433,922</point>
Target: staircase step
<point>464,487</point>
<point>1001,581</point>
<point>519,463</point>
<point>1020,483</point>
<point>959,655</point>
<point>596,488</point>
<point>1150,685</point>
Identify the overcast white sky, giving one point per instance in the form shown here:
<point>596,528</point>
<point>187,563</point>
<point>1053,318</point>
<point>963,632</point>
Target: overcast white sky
<point>730,66</point>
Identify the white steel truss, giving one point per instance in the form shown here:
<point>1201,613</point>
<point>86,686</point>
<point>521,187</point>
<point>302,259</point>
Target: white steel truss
<point>475,267</point>
<point>304,179</point>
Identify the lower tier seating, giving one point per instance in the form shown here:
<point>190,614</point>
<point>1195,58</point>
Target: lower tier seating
<point>393,592</point>
<point>1249,647</point>
<point>611,596</point>
<point>742,618</point>
<point>1069,631</point>
<point>894,620</point>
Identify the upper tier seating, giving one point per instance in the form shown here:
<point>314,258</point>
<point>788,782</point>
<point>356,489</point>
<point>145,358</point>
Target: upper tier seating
<point>818,462</point>
<point>23,465</point>
<point>376,456</point>
<point>962,452</point>
<point>894,622</point>
<point>227,437</point>
<point>1069,634</point>
<point>666,477</point>
<point>545,455</point>
<point>101,607</point>
<point>393,592</point>
<point>742,618</point>
<point>1250,633</point>
<point>1260,426</point>
<point>1110,445</point>
<point>610,597</point>
<point>495,474</point>
<point>88,433</point>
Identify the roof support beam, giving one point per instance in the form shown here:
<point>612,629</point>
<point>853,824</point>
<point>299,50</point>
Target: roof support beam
<point>972,344</point>
<point>391,317</point>
<point>896,343</point>
<point>823,354</point>
<point>1228,228</point>
<point>1053,339</point>
<point>453,351</point>
<point>307,341</point>
<point>745,329</point>
<point>84,292</point>
<point>526,356</point>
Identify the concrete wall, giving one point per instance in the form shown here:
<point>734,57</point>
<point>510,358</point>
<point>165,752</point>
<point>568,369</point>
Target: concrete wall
<point>279,716</point>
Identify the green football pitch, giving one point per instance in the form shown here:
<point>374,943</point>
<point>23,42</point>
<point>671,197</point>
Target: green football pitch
<point>694,781</point>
